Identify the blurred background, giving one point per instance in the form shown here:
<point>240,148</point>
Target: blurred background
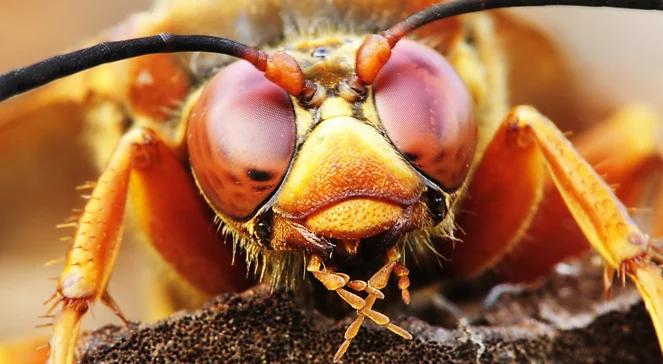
<point>617,55</point>
<point>615,52</point>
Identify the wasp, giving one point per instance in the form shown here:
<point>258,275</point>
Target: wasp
<point>334,148</point>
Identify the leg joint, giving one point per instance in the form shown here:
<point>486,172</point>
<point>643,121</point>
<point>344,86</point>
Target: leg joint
<point>144,143</point>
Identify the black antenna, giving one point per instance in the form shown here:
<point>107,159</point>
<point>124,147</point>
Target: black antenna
<point>48,70</point>
<point>376,48</point>
<point>458,7</point>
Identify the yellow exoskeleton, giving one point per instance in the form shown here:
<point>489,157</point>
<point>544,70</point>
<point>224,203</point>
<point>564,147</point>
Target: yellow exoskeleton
<point>338,148</point>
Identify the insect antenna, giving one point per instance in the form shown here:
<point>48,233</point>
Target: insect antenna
<point>376,48</point>
<point>279,67</point>
<point>458,7</point>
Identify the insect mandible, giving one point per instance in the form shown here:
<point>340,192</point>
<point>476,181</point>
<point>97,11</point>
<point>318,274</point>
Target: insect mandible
<point>332,153</point>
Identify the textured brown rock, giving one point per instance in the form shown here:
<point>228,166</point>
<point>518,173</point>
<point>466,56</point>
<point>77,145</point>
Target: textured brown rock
<point>564,321</point>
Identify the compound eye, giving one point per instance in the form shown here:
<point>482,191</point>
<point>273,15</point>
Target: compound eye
<point>241,139</point>
<point>427,113</point>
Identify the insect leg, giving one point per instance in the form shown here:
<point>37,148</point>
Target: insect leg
<point>500,204</point>
<point>624,150</point>
<point>180,226</point>
<point>169,208</point>
<point>91,257</point>
<point>602,218</point>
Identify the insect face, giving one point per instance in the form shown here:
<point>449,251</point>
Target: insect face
<point>333,176</point>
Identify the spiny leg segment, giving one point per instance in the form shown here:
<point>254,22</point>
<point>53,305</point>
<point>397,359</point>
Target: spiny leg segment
<point>337,281</point>
<point>92,255</point>
<point>177,222</point>
<point>625,151</point>
<point>600,215</point>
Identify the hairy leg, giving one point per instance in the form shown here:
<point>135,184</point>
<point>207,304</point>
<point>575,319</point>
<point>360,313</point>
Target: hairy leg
<point>176,222</point>
<point>601,216</point>
<point>503,201</point>
<point>624,151</point>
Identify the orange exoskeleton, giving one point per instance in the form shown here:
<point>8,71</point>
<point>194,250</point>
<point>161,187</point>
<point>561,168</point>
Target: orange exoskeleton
<point>336,152</point>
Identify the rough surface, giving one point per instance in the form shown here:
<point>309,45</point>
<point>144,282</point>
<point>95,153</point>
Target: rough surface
<point>566,320</point>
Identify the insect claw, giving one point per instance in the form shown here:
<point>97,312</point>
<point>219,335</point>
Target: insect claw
<point>626,268</point>
<point>50,298</point>
<point>110,302</point>
<point>608,277</point>
<point>53,306</point>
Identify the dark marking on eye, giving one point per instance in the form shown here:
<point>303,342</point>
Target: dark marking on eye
<point>435,120</point>
<point>258,175</point>
<point>411,156</point>
<point>228,161</point>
